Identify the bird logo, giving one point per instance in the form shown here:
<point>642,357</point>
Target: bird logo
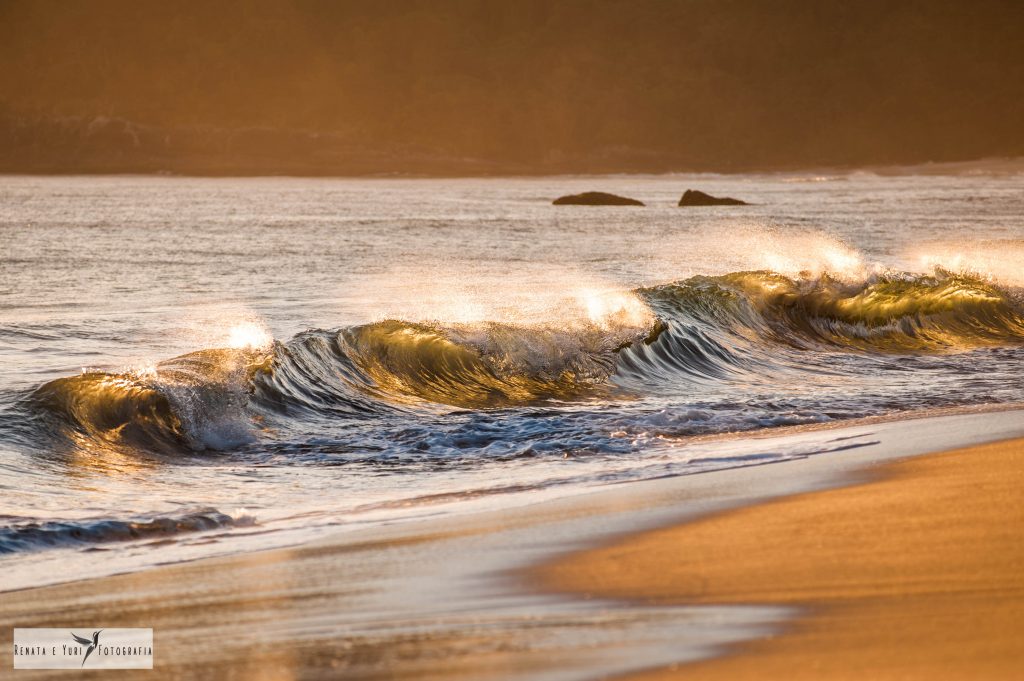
<point>86,642</point>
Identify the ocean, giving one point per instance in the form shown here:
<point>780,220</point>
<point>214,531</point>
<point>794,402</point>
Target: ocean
<point>194,366</point>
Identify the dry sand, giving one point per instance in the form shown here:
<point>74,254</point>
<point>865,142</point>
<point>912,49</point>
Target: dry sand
<point>916,574</point>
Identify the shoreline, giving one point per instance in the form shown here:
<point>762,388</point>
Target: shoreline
<point>915,573</point>
<point>708,447</point>
<point>454,597</point>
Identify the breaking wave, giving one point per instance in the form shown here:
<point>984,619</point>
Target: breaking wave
<point>700,330</point>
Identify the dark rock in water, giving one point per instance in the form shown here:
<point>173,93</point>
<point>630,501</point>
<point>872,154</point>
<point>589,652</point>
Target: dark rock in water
<point>595,199</point>
<point>693,197</point>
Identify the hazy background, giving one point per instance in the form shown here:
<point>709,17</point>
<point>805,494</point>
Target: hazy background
<point>467,87</point>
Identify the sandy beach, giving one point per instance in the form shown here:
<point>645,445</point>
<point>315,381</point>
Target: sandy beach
<point>903,567</point>
<point>917,574</point>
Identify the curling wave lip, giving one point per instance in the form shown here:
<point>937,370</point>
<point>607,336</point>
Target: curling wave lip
<point>764,327</point>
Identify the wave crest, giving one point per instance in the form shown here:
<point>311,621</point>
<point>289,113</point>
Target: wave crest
<point>891,312</point>
<point>196,401</point>
<point>704,329</point>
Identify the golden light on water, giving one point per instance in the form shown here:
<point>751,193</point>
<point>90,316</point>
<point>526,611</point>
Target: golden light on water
<point>249,336</point>
<point>814,254</point>
<point>614,308</point>
<point>954,262</point>
<point>144,371</point>
<point>843,261</point>
<point>998,262</point>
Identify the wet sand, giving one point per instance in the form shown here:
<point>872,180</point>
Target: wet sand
<point>459,597</point>
<point>917,573</point>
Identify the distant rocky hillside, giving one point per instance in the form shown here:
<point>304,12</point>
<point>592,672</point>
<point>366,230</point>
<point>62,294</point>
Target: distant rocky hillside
<point>474,87</point>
